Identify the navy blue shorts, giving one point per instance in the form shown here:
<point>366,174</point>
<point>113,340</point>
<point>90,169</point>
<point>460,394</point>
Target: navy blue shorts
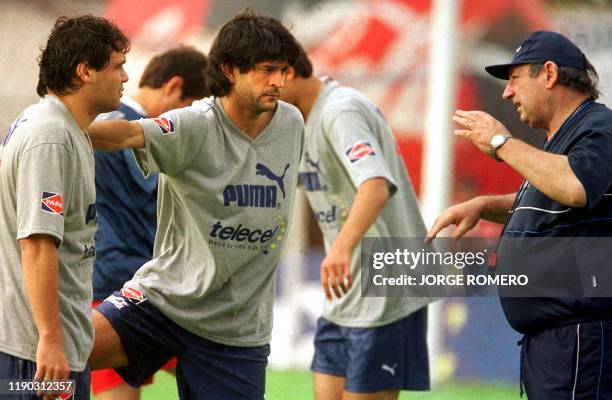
<point>389,357</point>
<point>205,369</point>
<point>569,362</point>
<point>12,367</point>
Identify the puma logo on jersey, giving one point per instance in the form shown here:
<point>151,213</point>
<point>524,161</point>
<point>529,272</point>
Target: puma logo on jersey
<point>256,195</point>
<point>311,180</point>
<point>311,162</point>
<point>265,171</point>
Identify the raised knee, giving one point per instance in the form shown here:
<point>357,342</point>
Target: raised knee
<point>107,350</point>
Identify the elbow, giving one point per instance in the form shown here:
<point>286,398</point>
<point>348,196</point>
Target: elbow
<point>577,202</point>
<point>576,197</point>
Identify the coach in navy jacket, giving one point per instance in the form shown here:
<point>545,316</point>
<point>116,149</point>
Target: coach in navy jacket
<point>557,227</point>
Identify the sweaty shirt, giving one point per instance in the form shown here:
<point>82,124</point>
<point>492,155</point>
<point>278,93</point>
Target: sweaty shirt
<point>47,181</point>
<point>348,141</point>
<point>224,203</point>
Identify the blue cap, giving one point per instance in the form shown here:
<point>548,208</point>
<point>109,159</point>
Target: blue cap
<point>539,47</point>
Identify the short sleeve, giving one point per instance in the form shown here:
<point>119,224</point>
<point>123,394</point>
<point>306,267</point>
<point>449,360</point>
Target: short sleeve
<point>171,141</point>
<point>44,184</point>
<point>358,148</point>
<point>591,162</point>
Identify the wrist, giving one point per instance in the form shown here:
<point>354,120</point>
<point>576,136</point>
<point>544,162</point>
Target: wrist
<point>497,141</point>
<point>51,336</point>
<point>342,246</point>
<point>480,204</point>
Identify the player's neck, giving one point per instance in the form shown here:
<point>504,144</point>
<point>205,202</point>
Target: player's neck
<point>309,92</point>
<point>149,99</point>
<point>81,113</point>
<point>249,122</point>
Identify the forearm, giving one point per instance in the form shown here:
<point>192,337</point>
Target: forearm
<point>369,201</point>
<point>116,135</point>
<point>40,264</point>
<point>495,208</point>
<point>550,173</point>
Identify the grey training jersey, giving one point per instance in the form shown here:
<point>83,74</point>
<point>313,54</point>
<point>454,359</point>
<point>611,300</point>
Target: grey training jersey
<point>47,187</point>
<point>223,210</point>
<point>347,142</point>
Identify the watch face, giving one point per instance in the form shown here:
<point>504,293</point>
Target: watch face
<point>497,140</point>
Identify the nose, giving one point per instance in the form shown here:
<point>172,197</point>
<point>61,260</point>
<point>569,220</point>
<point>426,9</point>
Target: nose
<point>124,76</point>
<point>508,92</point>
<point>278,79</point>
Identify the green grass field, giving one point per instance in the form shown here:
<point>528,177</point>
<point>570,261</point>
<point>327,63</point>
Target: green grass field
<point>296,385</point>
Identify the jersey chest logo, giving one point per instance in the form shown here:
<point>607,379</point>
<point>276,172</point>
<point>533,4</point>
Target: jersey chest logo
<point>257,195</point>
<point>311,180</point>
<point>267,172</point>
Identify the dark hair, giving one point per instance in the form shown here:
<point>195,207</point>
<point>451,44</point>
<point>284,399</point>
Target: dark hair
<point>244,41</point>
<point>583,80</point>
<point>183,61</point>
<point>72,41</point>
<point>303,66</point>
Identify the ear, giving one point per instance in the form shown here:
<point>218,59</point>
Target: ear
<point>290,74</point>
<point>230,72</point>
<point>173,87</point>
<point>84,72</point>
<point>552,74</point>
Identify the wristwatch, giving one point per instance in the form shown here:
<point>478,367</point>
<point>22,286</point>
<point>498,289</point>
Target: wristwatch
<point>497,141</point>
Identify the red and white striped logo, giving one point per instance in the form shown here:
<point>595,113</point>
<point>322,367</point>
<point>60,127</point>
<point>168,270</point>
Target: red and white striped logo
<point>133,295</point>
<point>358,151</point>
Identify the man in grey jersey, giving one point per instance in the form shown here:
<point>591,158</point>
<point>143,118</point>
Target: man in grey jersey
<point>356,184</point>
<point>228,172</point>
<point>47,207</point>
<point>126,202</point>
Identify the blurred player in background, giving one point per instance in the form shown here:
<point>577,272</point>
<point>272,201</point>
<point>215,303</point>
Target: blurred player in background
<point>47,206</point>
<point>357,185</point>
<point>228,174</point>
<point>125,200</point>
<point>565,352</point>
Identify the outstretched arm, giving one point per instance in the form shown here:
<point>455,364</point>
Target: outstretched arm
<point>336,267</point>
<point>116,135</point>
<point>467,214</point>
